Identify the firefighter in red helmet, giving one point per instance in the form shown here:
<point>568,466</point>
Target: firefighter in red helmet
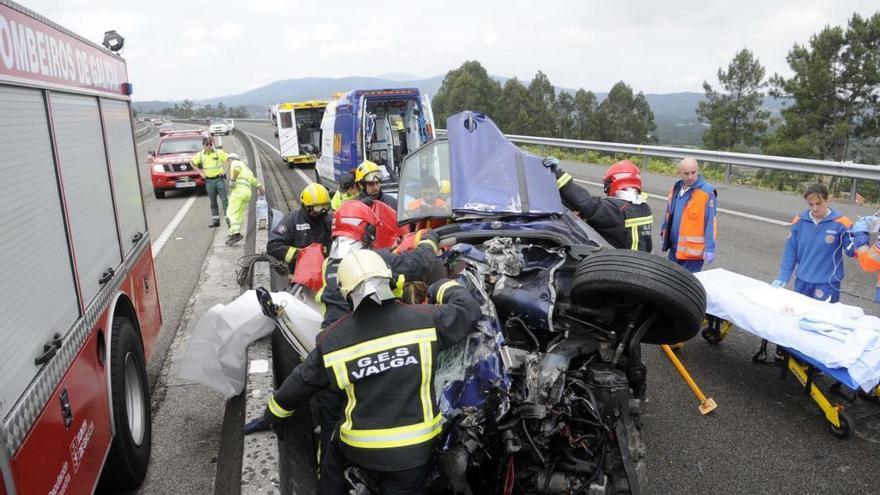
<point>624,218</point>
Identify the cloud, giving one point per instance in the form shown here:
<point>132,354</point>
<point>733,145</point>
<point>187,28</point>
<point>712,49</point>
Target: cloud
<point>191,49</point>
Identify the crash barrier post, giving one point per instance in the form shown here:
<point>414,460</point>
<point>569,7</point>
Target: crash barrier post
<point>707,405</point>
<point>844,169</point>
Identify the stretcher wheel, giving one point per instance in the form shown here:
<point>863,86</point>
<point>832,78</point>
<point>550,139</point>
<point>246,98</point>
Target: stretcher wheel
<point>847,424</point>
<point>711,336</point>
<point>872,396</point>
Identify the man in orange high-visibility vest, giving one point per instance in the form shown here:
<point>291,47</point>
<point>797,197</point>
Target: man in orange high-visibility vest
<point>690,224</point>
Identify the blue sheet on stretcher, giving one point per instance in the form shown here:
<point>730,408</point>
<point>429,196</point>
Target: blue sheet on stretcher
<point>836,338</point>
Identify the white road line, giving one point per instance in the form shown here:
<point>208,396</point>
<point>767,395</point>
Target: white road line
<point>160,241</point>
<point>267,143</point>
<point>735,213</point>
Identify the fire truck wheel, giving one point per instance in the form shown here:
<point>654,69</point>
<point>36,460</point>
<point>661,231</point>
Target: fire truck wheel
<point>130,395</point>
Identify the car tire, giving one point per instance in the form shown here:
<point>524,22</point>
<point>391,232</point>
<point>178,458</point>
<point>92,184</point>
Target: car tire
<point>158,194</point>
<point>129,455</point>
<point>612,276</point>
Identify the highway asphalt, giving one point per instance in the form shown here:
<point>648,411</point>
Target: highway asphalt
<point>187,418</point>
<point>765,436</point>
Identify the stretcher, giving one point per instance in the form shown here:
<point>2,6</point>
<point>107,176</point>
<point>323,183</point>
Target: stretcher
<point>812,338</point>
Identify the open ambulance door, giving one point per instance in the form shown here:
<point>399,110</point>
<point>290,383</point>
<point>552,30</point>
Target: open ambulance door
<point>331,147</point>
<point>287,138</point>
<point>428,116</point>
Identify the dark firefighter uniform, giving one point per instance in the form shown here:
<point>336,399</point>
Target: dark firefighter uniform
<point>383,358</point>
<point>296,231</point>
<point>411,265</point>
<point>623,224</point>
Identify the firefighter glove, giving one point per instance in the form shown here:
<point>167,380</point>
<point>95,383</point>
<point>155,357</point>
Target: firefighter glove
<point>552,163</point>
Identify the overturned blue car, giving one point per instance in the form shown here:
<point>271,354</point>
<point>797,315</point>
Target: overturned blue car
<point>546,397</point>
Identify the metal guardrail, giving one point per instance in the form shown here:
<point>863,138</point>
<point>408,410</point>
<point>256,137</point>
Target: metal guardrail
<point>142,131</point>
<point>801,165</point>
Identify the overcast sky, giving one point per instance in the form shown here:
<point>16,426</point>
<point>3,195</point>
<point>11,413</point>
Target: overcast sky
<point>188,49</point>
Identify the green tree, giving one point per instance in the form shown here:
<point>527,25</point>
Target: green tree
<point>239,112</point>
<point>513,114</point>
<point>186,108</point>
<point>586,115</point>
<point>834,92</point>
<point>542,98</point>
<point>467,88</point>
<point>735,116</point>
<point>564,112</point>
<point>626,118</point>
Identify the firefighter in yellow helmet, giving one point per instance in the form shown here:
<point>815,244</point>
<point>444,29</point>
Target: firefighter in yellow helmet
<point>368,177</point>
<point>445,190</point>
<point>383,356</point>
<point>298,229</point>
<point>241,182</point>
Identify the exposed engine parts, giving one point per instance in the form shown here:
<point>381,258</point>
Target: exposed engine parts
<point>554,411</point>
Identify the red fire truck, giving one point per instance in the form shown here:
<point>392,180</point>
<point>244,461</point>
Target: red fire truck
<point>79,310</point>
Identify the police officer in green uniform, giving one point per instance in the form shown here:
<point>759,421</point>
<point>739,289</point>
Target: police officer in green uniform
<point>209,162</point>
<point>382,356</point>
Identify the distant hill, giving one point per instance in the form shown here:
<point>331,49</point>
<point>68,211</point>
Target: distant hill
<point>674,113</point>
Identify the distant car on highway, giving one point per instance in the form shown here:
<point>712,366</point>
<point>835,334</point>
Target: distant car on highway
<point>165,128</point>
<point>170,167</point>
<point>219,126</point>
<point>230,125</point>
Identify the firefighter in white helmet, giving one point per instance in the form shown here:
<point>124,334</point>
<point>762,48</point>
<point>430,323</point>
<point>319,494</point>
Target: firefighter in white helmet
<point>384,354</point>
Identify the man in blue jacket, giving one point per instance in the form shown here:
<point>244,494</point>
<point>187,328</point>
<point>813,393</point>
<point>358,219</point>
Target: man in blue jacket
<point>690,224</point>
<point>815,248</point>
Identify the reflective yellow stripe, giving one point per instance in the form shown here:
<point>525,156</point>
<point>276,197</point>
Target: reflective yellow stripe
<point>398,286</point>
<point>563,179</point>
<point>430,243</point>
<point>692,238</point>
<point>425,389</point>
<point>323,286</point>
<point>689,251</point>
<point>442,291</point>
<point>288,256</point>
<point>635,222</point>
<point>385,438</point>
<point>277,410</point>
<point>380,344</point>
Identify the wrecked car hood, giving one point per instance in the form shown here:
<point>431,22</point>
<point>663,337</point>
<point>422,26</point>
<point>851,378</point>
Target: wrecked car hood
<point>490,175</point>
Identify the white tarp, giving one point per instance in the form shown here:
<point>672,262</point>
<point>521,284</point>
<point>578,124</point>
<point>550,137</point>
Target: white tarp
<point>782,316</point>
<point>216,355</point>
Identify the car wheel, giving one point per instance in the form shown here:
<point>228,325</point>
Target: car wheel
<point>615,276</point>
<point>130,396</point>
<point>158,194</point>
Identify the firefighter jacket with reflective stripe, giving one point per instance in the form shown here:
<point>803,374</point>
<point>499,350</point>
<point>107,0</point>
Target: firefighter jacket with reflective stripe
<point>623,224</point>
<point>298,230</point>
<point>383,358</point>
<point>816,249</point>
<point>690,223</point>
<point>242,176</point>
<point>411,265</point>
<point>869,260</point>
<point>211,162</point>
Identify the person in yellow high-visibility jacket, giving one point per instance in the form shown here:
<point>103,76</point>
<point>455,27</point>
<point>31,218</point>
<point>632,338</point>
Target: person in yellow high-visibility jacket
<point>241,183</point>
<point>347,190</point>
<point>209,162</point>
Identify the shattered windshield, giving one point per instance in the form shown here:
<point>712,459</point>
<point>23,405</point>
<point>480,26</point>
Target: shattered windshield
<point>424,184</point>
